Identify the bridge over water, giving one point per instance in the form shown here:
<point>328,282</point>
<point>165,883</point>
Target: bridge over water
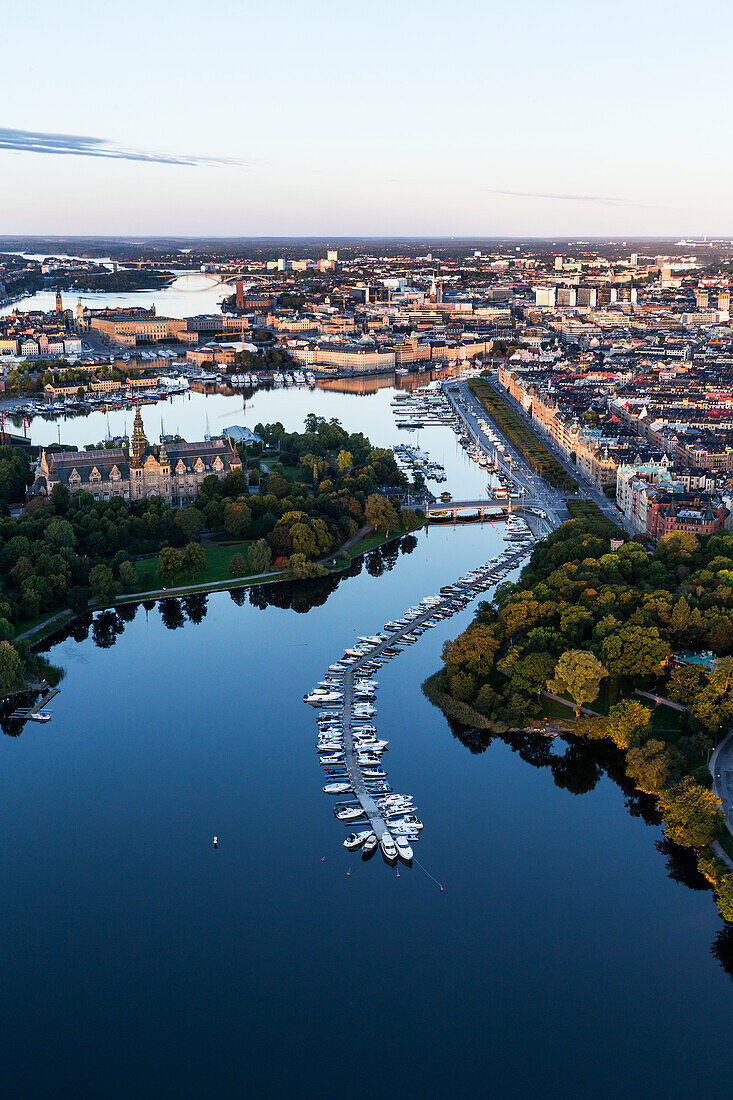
<point>483,507</point>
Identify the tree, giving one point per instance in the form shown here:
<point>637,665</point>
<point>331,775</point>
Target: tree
<point>634,651</point>
<point>304,541</point>
<point>170,565</point>
<point>193,560</point>
<point>301,569</point>
<point>191,522</point>
<point>60,533</point>
<point>691,814</point>
<point>629,723</point>
<point>128,576</point>
<point>462,686</point>
<point>237,566</point>
<point>78,598</point>
<point>724,898</point>
<point>532,672</point>
<point>579,673</point>
<point>237,518</point>
<point>380,514</point>
<point>680,619</point>
<point>648,765</point>
<point>259,556</point>
<point>473,650</point>
<point>12,675</point>
<point>685,682</point>
<point>60,499</point>
<point>344,462</point>
<point>712,705</point>
<point>102,584</point>
<point>314,463</point>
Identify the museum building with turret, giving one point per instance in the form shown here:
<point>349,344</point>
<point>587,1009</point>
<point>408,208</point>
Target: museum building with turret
<point>174,471</point>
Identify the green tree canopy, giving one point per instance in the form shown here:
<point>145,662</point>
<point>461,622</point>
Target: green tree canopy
<point>578,673</point>
<point>691,813</point>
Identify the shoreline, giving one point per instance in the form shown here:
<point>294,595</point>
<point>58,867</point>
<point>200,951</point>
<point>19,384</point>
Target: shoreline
<point>60,619</point>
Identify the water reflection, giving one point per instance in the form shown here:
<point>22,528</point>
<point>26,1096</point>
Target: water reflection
<point>577,768</point>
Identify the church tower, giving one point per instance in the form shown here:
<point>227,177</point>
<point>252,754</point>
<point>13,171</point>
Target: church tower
<point>59,304</point>
<point>139,442</point>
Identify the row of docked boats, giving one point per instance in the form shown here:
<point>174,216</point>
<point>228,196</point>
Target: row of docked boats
<point>276,378</point>
<point>349,748</point>
<point>412,458</point>
<point>427,406</point>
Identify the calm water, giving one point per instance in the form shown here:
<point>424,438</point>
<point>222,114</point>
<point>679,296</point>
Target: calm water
<point>188,295</point>
<point>567,954</point>
<point>189,414</point>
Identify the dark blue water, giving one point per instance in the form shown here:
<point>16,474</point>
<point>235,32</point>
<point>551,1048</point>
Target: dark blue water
<point>560,958</point>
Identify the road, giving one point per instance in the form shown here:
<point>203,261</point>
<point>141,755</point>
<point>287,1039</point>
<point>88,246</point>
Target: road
<point>511,460</point>
<point>721,767</point>
<point>587,488</point>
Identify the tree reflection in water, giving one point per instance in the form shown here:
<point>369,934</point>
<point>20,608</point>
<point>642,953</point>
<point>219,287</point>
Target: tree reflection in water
<point>171,613</point>
<point>196,606</point>
<point>105,629</point>
<point>722,948</point>
<point>578,769</point>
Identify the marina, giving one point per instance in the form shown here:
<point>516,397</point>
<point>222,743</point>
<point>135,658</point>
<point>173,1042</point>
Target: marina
<point>350,751</point>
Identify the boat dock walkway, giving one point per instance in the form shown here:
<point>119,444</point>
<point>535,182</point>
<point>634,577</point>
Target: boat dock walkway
<point>353,768</point>
<point>25,713</point>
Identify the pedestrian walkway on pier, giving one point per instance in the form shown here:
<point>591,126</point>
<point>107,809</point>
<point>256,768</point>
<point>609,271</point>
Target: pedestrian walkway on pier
<point>358,784</point>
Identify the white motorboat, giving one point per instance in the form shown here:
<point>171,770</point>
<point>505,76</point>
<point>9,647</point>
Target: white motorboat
<point>404,850</point>
<point>409,821</point>
<point>355,840</point>
<point>370,844</point>
<point>337,788</point>
<point>372,745</point>
<point>349,813</point>
<point>374,773</point>
<point>388,846</point>
<point>322,698</point>
<point>41,716</point>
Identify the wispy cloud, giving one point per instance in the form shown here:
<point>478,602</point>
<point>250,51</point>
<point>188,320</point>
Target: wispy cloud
<point>601,200</point>
<point>73,145</point>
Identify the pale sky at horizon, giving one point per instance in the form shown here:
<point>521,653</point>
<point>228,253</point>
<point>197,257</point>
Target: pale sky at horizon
<point>380,119</point>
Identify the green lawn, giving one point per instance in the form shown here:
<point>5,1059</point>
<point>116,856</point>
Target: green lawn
<point>218,556</point>
<point>376,538</point>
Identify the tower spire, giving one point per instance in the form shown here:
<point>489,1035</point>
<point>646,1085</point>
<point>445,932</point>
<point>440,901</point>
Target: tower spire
<point>139,442</point>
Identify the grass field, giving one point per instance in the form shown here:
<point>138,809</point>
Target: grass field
<point>218,556</point>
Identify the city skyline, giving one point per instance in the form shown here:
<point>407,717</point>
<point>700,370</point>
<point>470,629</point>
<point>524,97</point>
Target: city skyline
<point>415,121</point>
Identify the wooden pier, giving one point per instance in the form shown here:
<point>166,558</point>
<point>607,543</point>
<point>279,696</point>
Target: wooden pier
<point>24,713</point>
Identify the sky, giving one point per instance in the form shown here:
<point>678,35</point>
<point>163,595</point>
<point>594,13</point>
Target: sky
<point>325,118</point>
